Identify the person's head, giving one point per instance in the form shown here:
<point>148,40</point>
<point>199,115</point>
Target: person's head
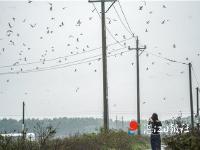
<point>154,117</point>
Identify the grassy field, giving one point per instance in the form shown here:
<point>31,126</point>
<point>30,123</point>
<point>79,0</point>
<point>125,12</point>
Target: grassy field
<point>112,140</point>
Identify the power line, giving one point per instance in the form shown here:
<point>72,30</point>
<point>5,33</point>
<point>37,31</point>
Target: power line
<point>60,57</point>
<point>122,21</point>
<point>107,27</point>
<point>195,76</point>
<point>125,17</point>
<point>165,58</point>
<point>69,64</point>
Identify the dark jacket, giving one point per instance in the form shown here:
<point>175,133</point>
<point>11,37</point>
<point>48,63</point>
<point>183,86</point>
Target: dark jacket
<point>155,126</point>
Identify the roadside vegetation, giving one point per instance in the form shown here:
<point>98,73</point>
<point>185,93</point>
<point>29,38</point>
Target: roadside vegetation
<point>110,140</point>
<point>183,139</point>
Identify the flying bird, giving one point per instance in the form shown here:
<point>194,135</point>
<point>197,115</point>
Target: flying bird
<point>33,25</point>
<point>62,24</point>
<point>12,42</point>
<point>10,26</point>
<point>77,89</point>
<point>163,22</point>
<point>24,21</point>
<point>140,8</point>
<point>124,37</point>
<point>64,8</point>
<point>51,7</point>
<point>150,12</point>
<point>9,32</point>
<point>147,22</point>
<point>78,23</point>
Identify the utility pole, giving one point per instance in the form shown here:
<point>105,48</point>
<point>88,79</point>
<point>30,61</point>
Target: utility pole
<point>104,61</point>
<point>197,92</point>
<point>116,122</point>
<point>191,98</point>
<point>138,79</point>
<point>122,122</point>
<point>23,122</point>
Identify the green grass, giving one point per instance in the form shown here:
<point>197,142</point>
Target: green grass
<point>184,141</point>
<point>111,140</point>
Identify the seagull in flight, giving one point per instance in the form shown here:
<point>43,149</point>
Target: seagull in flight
<point>140,8</point>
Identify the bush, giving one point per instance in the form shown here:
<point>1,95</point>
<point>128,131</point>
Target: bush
<point>110,140</point>
<point>182,140</point>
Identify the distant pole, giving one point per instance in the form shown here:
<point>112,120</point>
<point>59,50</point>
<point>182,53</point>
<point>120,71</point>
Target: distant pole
<point>23,120</point>
<point>104,61</point>
<point>191,97</point>
<point>122,122</point>
<point>138,80</point>
<point>116,121</point>
<point>197,92</point>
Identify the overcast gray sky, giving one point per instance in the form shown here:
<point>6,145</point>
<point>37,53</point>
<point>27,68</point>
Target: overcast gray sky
<point>76,91</point>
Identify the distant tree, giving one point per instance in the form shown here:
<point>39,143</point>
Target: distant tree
<point>44,134</point>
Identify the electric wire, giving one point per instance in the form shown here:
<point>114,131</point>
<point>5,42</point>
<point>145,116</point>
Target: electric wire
<point>107,27</point>
<point>68,64</point>
<point>195,76</point>
<point>125,17</point>
<point>121,20</point>
<point>60,57</point>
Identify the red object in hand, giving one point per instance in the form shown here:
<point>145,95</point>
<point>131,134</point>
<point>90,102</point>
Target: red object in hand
<point>133,125</point>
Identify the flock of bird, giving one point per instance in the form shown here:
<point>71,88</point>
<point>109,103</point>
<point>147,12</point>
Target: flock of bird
<point>23,59</point>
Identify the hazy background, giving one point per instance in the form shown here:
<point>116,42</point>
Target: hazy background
<point>76,91</point>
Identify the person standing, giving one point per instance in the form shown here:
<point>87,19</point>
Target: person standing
<point>155,125</point>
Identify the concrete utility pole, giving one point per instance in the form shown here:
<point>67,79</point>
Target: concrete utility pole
<point>23,122</point>
<point>197,92</point>
<point>191,97</point>
<point>104,60</point>
<point>116,122</point>
<point>138,80</point>
<point>122,123</point>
